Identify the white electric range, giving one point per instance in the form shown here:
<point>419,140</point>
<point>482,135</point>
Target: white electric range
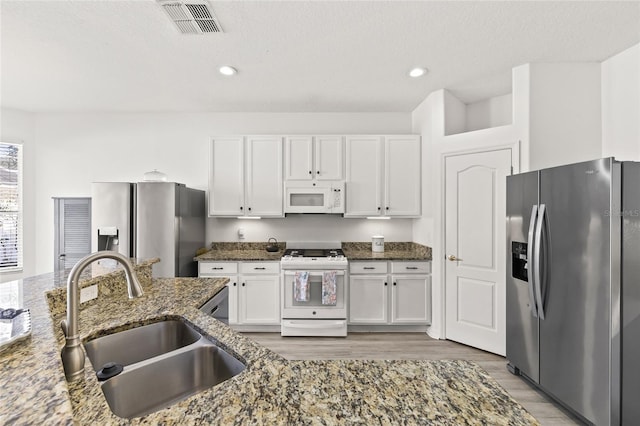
<point>314,290</point>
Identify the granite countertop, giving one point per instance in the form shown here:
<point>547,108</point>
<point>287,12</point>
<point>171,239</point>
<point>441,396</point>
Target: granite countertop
<point>241,251</point>
<point>392,251</point>
<point>352,250</point>
<point>270,391</point>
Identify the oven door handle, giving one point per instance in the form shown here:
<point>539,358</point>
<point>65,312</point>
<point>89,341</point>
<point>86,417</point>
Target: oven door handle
<point>313,273</point>
<point>323,324</point>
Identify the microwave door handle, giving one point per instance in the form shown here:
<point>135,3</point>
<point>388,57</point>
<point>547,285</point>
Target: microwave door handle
<point>537,261</point>
<point>530,260</point>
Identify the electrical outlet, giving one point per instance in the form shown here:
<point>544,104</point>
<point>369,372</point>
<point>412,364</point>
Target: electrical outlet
<point>88,293</point>
<point>241,233</point>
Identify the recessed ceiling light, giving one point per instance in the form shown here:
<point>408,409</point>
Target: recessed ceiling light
<point>227,70</point>
<point>417,72</point>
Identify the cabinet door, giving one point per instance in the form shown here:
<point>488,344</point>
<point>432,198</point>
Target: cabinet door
<point>363,176</point>
<point>368,299</point>
<point>264,176</point>
<point>233,300</point>
<point>411,299</point>
<point>299,158</point>
<point>329,162</point>
<point>226,177</point>
<point>402,193</point>
<point>259,299</point>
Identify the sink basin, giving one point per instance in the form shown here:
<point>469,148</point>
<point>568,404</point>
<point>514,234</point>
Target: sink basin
<point>155,385</point>
<point>140,343</point>
<point>164,362</point>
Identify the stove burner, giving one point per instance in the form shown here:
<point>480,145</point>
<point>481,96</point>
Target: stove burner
<point>313,253</point>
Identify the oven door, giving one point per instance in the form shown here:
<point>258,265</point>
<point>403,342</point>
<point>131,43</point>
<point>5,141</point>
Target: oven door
<point>313,308</point>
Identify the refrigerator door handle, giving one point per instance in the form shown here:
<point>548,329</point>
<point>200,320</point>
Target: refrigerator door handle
<point>531,251</point>
<point>537,264</point>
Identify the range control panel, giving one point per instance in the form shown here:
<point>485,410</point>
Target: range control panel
<point>519,261</point>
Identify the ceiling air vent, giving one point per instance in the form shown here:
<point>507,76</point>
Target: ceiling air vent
<point>191,16</point>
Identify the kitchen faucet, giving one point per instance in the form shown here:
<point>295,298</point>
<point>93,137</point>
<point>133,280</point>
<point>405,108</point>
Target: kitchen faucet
<point>72,354</point>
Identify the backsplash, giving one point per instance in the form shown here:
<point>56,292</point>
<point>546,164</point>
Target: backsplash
<point>113,281</point>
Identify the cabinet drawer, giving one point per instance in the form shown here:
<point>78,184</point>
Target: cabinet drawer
<point>410,267</point>
<point>217,268</point>
<point>260,267</point>
<point>368,267</point>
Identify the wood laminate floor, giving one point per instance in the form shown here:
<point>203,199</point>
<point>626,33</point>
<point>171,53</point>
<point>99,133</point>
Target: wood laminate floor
<point>416,346</point>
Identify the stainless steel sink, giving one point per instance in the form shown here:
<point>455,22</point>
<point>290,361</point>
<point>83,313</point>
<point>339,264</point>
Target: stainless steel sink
<point>140,343</point>
<point>164,363</point>
<point>152,386</point>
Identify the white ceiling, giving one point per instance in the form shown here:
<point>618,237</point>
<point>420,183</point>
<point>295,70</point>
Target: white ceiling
<point>322,56</point>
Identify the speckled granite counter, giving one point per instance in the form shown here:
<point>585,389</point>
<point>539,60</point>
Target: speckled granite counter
<point>392,251</point>
<point>240,252</point>
<point>270,391</point>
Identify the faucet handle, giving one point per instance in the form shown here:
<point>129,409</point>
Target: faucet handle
<point>63,326</point>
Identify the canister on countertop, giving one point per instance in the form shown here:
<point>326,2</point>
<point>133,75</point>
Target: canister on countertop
<point>377,244</point>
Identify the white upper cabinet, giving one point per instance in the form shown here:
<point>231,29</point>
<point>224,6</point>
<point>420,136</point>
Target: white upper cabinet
<point>402,192</point>
<point>245,177</point>
<point>383,176</point>
<point>364,175</point>
<point>314,157</point>
<point>299,158</point>
<point>264,176</point>
<point>226,177</point>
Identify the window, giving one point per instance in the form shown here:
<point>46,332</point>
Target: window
<point>10,206</point>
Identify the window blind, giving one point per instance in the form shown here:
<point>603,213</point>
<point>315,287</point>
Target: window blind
<point>10,206</point>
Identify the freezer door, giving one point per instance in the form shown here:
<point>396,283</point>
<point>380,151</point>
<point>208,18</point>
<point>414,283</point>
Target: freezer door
<point>112,217</point>
<point>522,324</point>
<point>575,334</point>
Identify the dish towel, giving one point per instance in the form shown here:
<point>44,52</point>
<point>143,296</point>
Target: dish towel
<point>329,288</point>
<point>301,286</point>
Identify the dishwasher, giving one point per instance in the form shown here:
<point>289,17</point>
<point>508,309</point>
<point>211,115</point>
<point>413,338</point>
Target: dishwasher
<point>218,306</point>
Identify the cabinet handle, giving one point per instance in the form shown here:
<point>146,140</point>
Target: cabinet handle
<point>249,208</point>
<point>318,172</point>
<point>369,267</point>
<point>259,269</point>
<point>386,208</point>
<point>379,208</point>
<point>234,284</point>
<point>412,267</point>
<point>385,283</point>
<point>217,269</point>
<point>394,283</point>
<point>242,284</point>
<point>241,208</point>
<point>309,171</point>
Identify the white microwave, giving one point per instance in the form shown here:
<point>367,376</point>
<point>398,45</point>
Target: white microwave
<point>314,197</point>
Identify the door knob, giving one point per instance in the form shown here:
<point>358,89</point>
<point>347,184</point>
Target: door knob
<point>452,258</point>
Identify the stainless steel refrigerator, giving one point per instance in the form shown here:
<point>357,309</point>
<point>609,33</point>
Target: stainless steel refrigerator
<point>150,219</point>
<point>573,286</point>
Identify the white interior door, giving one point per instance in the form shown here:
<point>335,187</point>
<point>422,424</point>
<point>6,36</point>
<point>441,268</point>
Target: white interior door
<point>475,203</point>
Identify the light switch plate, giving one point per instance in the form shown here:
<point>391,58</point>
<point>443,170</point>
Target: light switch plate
<point>88,293</point>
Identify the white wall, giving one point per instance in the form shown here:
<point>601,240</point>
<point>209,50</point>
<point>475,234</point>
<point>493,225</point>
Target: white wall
<point>74,150</point>
<point>18,127</point>
<point>565,115</point>
<point>621,105</point>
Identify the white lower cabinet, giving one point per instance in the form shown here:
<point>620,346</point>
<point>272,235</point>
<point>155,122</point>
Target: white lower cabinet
<point>254,290</point>
<point>383,298</point>
<point>368,299</point>
<point>259,299</point>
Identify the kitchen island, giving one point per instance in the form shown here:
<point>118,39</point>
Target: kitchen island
<point>271,390</point>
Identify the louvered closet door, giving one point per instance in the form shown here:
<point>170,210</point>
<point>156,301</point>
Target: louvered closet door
<point>73,231</point>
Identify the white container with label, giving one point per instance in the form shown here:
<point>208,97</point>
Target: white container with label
<point>377,244</point>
